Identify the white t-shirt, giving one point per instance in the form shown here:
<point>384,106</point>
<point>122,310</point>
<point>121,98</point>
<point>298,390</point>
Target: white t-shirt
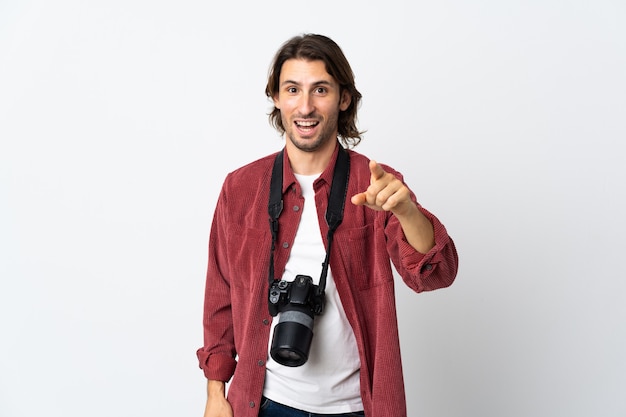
<point>328,383</point>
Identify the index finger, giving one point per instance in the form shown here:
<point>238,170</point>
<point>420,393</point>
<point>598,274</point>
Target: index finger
<point>376,170</point>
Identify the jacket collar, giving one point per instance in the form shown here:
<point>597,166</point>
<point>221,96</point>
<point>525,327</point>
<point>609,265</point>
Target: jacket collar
<point>327,175</point>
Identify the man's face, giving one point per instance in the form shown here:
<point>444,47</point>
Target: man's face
<point>309,100</point>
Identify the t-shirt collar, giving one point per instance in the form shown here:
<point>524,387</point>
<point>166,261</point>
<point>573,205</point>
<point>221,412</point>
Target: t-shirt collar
<point>327,175</point>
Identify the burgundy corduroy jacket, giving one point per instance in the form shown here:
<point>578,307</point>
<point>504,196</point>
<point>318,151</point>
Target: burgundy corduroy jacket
<point>366,244</point>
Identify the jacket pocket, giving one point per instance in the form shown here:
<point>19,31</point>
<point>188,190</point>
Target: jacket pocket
<point>366,263</point>
<point>249,252</point>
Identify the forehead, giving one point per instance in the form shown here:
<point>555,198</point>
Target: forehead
<point>304,71</point>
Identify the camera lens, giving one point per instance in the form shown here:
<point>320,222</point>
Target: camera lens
<point>292,337</point>
<point>287,355</point>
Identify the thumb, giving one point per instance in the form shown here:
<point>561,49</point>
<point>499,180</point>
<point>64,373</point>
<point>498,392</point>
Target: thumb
<point>358,199</point>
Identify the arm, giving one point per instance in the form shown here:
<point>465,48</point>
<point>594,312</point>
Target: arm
<point>419,245</point>
<point>216,404</point>
<point>217,356</point>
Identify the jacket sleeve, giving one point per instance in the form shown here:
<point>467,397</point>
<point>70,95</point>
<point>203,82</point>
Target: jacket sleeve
<point>423,272</point>
<point>217,356</point>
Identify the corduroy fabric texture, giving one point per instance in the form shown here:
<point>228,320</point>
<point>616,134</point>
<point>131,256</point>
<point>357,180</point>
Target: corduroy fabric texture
<point>366,245</point>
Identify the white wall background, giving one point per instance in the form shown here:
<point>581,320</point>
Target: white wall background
<point>120,119</point>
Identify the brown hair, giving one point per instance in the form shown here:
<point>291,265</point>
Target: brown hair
<point>314,47</point>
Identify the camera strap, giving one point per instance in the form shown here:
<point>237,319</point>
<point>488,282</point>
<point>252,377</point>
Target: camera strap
<point>334,212</point>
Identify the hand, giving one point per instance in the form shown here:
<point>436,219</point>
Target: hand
<point>386,192</point>
<point>218,408</point>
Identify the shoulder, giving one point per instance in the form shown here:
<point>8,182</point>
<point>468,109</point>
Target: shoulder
<point>255,166</point>
<point>251,174</point>
<point>359,165</point>
<point>358,160</point>
<point>250,181</point>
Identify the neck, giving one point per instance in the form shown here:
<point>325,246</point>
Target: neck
<point>309,163</point>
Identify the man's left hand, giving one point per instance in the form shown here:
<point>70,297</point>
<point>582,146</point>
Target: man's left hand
<point>386,192</point>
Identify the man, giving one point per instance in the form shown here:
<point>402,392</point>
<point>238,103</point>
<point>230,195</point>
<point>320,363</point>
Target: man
<point>352,365</point>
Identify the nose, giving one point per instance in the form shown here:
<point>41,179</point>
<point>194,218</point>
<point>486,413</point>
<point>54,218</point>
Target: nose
<point>306,105</point>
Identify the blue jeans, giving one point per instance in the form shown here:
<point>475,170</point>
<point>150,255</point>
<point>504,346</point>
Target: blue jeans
<point>270,408</point>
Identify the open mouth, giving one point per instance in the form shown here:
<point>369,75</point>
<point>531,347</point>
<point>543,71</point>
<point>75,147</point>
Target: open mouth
<point>306,125</point>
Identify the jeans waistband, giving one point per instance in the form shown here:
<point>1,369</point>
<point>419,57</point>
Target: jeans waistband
<point>270,408</point>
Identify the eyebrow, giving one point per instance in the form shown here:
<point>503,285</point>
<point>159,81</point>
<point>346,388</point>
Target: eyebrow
<point>315,84</point>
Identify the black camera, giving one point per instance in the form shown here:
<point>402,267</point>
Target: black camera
<point>298,302</point>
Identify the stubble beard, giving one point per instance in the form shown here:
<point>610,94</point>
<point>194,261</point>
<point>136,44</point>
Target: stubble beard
<point>326,135</point>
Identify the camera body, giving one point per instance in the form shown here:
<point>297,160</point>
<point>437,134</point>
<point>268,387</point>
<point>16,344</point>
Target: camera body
<point>298,302</point>
<point>300,292</point>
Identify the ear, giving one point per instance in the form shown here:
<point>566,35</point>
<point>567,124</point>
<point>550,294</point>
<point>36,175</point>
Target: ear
<point>275,100</point>
<point>346,99</point>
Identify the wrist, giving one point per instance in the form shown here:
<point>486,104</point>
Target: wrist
<point>216,388</point>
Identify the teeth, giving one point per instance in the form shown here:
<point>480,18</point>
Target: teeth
<point>306,124</point>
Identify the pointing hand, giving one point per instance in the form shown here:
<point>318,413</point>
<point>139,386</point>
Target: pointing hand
<point>386,192</point>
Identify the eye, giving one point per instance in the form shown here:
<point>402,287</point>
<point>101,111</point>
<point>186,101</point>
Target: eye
<point>292,90</point>
<point>321,90</point>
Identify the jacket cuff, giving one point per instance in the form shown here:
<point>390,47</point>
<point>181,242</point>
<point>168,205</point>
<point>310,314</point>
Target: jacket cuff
<point>425,264</point>
<point>218,367</point>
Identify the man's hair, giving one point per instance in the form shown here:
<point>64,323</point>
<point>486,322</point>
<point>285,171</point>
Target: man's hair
<point>313,47</point>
